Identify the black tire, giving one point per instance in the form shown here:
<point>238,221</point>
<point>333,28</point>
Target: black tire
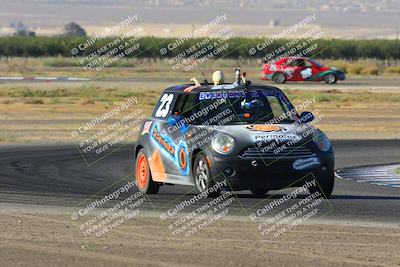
<point>143,178</point>
<point>202,175</point>
<point>259,191</point>
<point>324,186</point>
<point>279,77</point>
<point>330,78</point>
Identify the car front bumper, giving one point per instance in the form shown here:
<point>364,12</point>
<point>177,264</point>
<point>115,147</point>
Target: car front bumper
<point>271,173</point>
<point>341,76</point>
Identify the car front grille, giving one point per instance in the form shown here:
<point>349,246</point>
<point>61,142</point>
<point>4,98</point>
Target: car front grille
<point>286,152</point>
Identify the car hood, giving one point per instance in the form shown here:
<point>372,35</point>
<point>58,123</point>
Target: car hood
<point>336,69</point>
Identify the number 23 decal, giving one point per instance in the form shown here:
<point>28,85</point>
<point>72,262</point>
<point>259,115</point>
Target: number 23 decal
<point>165,105</point>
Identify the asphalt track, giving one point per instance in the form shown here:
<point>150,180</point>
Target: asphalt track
<point>58,176</point>
<point>351,83</point>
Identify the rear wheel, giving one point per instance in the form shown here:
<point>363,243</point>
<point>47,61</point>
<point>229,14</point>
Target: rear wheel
<point>143,176</point>
<point>279,77</point>
<point>330,78</point>
<point>259,191</point>
<point>324,186</point>
<point>202,175</point>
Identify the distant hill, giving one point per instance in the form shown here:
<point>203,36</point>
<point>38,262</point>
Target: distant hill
<point>358,19</point>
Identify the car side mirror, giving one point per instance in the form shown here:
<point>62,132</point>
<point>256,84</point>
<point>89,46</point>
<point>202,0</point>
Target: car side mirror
<point>306,116</point>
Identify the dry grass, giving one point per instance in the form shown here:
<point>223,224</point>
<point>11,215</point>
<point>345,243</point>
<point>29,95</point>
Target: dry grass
<point>363,66</point>
<point>33,101</point>
<point>87,101</point>
<point>126,68</point>
<point>38,112</point>
<point>148,68</point>
<point>393,70</point>
<point>49,112</point>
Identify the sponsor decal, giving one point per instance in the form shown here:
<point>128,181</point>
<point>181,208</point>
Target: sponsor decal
<point>179,154</point>
<point>302,164</point>
<point>264,128</point>
<point>277,137</point>
<point>223,86</point>
<point>146,127</point>
<point>237,94</point>
<point>219,95</point>
<point>182,158</point>
<point>163,142</point>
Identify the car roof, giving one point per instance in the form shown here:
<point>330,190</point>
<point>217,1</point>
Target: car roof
<point>191,88</point>
<point>292,58</point>
<point>298,58</point>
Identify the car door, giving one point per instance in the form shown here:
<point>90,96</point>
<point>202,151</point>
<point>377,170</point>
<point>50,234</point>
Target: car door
<point>160,146</point>
<point>179,127</point>
<point>309,70</point>
<point>168,140</point>
<point>299,70</point>
<point>292,70</point>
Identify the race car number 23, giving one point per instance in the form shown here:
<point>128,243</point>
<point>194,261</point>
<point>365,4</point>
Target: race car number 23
<point>165,105</point>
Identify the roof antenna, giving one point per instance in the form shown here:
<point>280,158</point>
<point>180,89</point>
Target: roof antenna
<point>237,77</point>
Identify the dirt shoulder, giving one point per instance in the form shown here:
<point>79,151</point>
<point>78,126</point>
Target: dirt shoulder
<point>49,239</point>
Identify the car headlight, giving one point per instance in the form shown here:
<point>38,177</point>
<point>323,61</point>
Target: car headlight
<point>223,143</point>
<point>321,141</point>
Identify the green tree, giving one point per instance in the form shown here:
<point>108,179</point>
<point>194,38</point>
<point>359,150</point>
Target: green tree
<point>74,29</point>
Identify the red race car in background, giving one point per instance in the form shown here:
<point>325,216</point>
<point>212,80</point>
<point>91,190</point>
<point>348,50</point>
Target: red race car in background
<point>300,69</point>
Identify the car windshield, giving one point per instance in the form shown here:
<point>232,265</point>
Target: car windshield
<point>315,62</point>
<point>240,107</point>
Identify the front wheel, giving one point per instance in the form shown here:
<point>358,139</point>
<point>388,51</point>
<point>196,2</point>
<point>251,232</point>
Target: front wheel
<point>279,77</point>
<point>144,181</point>
<point>324,186</point>
<point>330,78</point>
<point>202,176</point>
